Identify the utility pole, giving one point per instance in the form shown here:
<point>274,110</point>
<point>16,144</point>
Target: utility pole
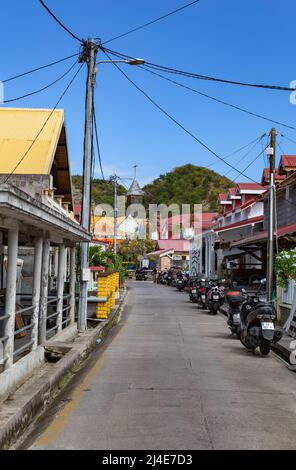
<point>88,55</point>
<point>114,180</point>
<point>271,216</point>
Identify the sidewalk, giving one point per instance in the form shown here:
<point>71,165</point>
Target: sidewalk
<point>64,359</point>
<point>282,348</point>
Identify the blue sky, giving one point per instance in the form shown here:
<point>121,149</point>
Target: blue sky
<point>243,40</point>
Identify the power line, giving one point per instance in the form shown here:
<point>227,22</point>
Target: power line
<point>291,140</point>
<point>250,164</point>
<point>238,108</point>
<point>172,118</point>
<point>59,22</point>
<point>38,68</point>
<point>151,22</point>
<point>246,154</point>
<point>162,68</point>
<point>97,143</point>
<point>40,89</point>
<point>236,151</point>
<point>44,125</point>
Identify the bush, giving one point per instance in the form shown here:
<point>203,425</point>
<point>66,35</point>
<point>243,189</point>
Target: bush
<point>285,267</point>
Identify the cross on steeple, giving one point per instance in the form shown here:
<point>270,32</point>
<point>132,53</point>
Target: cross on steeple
<point>135,170</point>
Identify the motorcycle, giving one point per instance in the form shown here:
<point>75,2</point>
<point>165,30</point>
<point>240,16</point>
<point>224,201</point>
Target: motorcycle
<point>235,300</point>
<point>141,275</point>
<point>215,297</point>
<point>257,323</point>
<point>169,278</point>
<point>193,290</point>
<point>181,281</point>
<point>202,289</point>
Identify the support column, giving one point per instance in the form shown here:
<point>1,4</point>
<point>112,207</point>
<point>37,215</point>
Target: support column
<point>44,291</point>
<point>36,289</point>
<point>72,283</point>
<point>10,297</point>
<point>60,285</point>
<point>206,245</point>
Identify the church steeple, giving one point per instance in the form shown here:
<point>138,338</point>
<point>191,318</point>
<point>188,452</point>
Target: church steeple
<point>135,194</point>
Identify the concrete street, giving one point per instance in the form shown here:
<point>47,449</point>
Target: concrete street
<point>171,377</point>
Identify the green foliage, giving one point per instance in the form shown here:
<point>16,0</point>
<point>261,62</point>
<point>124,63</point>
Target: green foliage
<point>101,191</point>
<point>108,259</point>
<point>285,267</point>
<point>188,184</point>
<point>131,249</point>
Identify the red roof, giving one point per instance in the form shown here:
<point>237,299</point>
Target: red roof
<point>250,186</point>
<point>222,197</point>
<point>266,173</point>
<point>177,245</point>
<point>287,161</point>
<point>232,191</point>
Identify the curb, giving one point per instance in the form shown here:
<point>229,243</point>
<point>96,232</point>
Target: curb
<point>31,399</point>
<point>279,349</point>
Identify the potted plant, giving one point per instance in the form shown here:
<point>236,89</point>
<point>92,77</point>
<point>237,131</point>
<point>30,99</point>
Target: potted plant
<point>285,267</point>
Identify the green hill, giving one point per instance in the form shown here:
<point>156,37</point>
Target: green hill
<point>101,191</point>
<point>188,184</point>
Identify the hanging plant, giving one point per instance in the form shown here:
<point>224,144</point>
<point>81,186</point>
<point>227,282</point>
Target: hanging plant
<point>285,267</point>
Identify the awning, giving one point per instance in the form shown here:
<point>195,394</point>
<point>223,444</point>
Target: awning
<point>243,223</point>
<point>261,237</point>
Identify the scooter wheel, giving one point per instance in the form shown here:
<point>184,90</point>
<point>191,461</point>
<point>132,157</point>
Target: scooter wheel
<point>245,343</point>
<point>265,347</point>
<point>215,309</point>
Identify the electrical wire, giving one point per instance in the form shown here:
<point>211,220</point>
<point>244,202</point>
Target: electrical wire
<point>59,22</point>
<point>162,68</point>
<point>43,126</point>
<point>238,108</point>
<point>172,118</point>
<point>236,151</point>
<point>38,68</point>
<point>40,89</point>
<point>151,22</point>
<point>246,154</point>
<point>97,143</point>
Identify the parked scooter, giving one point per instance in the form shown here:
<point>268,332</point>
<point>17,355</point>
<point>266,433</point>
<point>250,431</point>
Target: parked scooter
<point>193,284</point>
<point>215,296</point>
<point>181,281</point>
<point>202,289</point>
<point>170,278</point>
<point>141,275</point>
<point>235,300</point>
<point>257,323</point>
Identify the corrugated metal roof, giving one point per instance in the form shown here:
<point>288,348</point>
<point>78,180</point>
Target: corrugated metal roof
<point>18,129</point>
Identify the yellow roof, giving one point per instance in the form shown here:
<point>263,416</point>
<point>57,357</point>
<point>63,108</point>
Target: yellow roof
<point>19,127</point>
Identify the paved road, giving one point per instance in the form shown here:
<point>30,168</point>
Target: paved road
<point>171,377</point>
